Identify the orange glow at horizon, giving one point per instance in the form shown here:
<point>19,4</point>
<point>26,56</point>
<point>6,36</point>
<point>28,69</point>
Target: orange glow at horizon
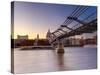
<point>24,29</point>
<point>31,36</point>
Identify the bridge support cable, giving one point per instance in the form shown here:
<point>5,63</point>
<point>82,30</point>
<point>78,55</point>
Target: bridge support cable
<point>76,12</point>
<point>80,11</point>
<point>73,13</point>
<point>77,20</point>
<point>77,7</point>
<point>85,19</point>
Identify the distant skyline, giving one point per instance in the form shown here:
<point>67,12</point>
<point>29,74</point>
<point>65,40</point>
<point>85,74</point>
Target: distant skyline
<point>36,18</point>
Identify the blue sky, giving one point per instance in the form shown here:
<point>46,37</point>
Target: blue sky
<point>36,18</point>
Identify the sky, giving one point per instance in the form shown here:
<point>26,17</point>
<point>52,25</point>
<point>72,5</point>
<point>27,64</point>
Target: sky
<point>37,18</point>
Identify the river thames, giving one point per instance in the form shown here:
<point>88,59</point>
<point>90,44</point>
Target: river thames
<point>74,58</point>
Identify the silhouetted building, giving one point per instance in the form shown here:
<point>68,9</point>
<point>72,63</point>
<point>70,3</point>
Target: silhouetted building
<point>24,37</point>
<point>74,41</point>
<point>36,40</point>
<point>91,40</point>
<point>48,35</point>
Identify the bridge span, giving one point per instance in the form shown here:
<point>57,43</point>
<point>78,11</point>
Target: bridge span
<point>73,25</point>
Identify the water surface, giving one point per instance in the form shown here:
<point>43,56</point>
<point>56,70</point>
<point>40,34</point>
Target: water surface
<point>74,58</point>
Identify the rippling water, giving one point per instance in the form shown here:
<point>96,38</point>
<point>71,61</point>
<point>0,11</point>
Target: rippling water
<point>74,58</point>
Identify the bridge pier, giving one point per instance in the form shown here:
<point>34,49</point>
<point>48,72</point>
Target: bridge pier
<point>60,48</point>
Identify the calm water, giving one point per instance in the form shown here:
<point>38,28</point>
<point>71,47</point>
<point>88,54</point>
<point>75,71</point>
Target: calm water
<point>75,58</point>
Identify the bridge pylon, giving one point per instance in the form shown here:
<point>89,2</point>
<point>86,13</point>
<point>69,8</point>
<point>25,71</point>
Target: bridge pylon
<point>60,47</point>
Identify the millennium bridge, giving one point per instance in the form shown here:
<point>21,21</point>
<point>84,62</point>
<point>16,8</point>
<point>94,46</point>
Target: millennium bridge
<point>79,26</point>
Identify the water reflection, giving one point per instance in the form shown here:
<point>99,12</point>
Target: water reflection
<point>60,58</point>
<point>49,61</point>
